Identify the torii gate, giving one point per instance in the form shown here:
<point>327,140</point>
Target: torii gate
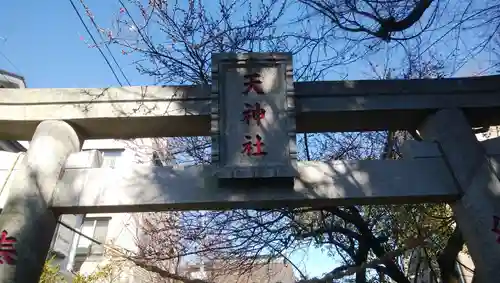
<point>252,111</point>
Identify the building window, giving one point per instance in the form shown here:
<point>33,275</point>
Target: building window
<point>110,157</point>
<point>95,228</point>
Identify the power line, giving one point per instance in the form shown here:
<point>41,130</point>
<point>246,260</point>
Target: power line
<point>107,46</point>
<point>10,62</point>
<point>93,39</point>
<point>129,255</point>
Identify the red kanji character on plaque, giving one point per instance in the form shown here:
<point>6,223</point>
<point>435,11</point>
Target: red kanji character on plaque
<point>253,83</point>
<point>257,113</point>
<point>248,149</point>
<point>7,251</point>
<point>496,228</point>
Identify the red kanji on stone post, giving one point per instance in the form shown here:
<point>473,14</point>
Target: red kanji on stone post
<point>7,250</point>
<point>257,113</point>
<point>253,83</point>
<point>248,147</point>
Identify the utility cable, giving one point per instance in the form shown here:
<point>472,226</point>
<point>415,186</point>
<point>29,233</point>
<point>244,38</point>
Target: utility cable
<point>107,46</point>
<point>9,61</point>
<point>93,39</point>
<point>139,263</point>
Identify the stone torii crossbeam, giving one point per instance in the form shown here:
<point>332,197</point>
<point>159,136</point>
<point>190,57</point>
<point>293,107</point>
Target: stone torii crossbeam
<point>252,111</point>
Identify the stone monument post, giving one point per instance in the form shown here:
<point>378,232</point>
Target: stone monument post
<point>27,224</point>
<point>478,210</point>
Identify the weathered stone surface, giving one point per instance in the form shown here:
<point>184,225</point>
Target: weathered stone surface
<point>149,188</point>
<point>26,216</point>
<point>253,115</point>
<point>185,110</point>
<point>475,177</point>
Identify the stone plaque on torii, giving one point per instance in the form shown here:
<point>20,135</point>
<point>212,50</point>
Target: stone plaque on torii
<point>253,116</point>
<point>252,111</point>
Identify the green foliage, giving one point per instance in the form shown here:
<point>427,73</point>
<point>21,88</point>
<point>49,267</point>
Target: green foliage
<point>400,223</point>
<point>100,274</point>
<point>51,274</point>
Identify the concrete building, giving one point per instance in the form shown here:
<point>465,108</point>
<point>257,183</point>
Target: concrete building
<point>75,253</point>
<point>262,271</point>
<point>10,80</point>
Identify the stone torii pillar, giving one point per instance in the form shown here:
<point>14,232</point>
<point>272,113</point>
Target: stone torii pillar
<point>26,223</point>
<point>476,175</point>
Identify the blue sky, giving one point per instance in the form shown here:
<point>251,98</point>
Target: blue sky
<point>42,40</point>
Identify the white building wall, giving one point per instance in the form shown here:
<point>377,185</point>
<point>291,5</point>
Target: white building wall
<point>122,233</point>
<point>124,228</point>
<point>465,267</point>
<point>493,132</point>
